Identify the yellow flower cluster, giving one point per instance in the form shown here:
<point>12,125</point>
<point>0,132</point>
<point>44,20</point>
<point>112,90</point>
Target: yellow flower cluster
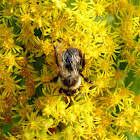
<point>31,107</point>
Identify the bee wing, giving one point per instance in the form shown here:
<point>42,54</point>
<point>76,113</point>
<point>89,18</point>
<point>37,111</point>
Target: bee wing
<point>58,54</point>
<point>68,56</point>
<point>75,60</point>
<point>79,59</point>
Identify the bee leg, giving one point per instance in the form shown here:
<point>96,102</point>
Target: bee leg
<point>70,92</point>
<point>79,89</point>
<point>56,55</point>
<point>86,79</point>
<point>61,90</point>
<point>83,63</point>
<point>54,79</point>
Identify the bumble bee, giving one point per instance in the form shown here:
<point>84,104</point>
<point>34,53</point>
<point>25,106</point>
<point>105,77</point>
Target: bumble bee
<point>71,64</point>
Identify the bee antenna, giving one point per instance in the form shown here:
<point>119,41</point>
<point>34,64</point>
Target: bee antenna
<point>55,95</point>
<point>53,44</point>
<point>81,95</point>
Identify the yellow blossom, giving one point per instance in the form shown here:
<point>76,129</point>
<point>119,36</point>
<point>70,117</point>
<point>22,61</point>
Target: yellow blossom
<point>107,32</point>
<point>26,35</point>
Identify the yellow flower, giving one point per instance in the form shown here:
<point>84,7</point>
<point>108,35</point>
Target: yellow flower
<point>113,7</point>
<point>103,82</point>
<point>100,132</point>
<point>68,133</point>
<point>6,13</point>
<point>136,100</point>
<point>125,92</point>
<point>46,46</point>
<point>7,39</point>
<point>22,112</point>
<point>107,33</point>
<point>10,85</point>
<point>82,5</point>
<point>24,16</point>
<point>112,100</point>
<point>132,60</point>
<point>58,4</point>
<point>33,122</point>
<point>26,35</point>
<point>135,127</point>
<point>123,4</point>
<point>99,9</point>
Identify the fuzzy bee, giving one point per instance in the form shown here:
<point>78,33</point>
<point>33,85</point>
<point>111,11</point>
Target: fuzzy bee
<point>71,64</point>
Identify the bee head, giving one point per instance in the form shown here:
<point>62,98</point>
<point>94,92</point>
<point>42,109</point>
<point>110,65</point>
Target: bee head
<point>69,80</point>
<point>69,92</point>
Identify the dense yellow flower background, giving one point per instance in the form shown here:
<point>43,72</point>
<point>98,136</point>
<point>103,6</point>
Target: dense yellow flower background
<point>31,107</point>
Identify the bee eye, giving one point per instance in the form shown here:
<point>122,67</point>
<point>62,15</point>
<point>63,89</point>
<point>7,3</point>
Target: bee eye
<point>69,76</point>
<point>69,79</point>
